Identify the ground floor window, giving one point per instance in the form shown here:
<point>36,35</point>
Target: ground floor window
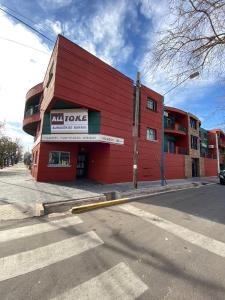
<point>59,159</point>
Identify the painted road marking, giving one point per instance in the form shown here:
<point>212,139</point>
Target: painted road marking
<point>188,235</point>
<point>118,282</point>
<point>24,262</point>
<point>20,232</point>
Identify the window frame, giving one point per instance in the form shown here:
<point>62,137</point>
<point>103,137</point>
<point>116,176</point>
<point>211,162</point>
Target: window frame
<point>193,137</point>
<point>59,165</point>
<point>154,102</point>
<point>147,134</point>
<point>193,123</point>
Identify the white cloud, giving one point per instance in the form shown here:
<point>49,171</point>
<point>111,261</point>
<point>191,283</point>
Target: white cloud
<point>102,34</point>
<point>21,68</point>
<point>53,4</point>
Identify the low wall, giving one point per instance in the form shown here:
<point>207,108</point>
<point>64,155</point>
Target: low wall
<point>174,166</point>
<point>210,167</point>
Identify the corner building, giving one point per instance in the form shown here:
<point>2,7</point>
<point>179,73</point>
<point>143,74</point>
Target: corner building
<point>81,118</point>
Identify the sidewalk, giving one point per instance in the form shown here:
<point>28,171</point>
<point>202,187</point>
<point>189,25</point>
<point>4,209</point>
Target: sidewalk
<point>21,195</point>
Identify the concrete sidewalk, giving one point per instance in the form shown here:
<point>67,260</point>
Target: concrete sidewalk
<point>21,195</point>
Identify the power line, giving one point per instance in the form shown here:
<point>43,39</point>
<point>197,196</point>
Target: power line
<point>24,45</point>
<point>26,18</point>
<point>26,24</point>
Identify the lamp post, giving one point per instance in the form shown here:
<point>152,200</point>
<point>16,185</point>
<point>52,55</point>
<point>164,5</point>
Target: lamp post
<point>163,126</point>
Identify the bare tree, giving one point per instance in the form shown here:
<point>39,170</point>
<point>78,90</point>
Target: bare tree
<point>195,41</point>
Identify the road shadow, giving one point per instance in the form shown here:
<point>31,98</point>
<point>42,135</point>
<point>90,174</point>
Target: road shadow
<point>207,202</point>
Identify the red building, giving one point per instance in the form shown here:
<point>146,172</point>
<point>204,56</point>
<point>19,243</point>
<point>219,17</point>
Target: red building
<point>82,116</point>
<point>184,157</point>
<point>217,146</point>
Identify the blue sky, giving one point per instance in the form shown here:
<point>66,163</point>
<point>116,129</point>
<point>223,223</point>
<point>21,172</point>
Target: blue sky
<point>120,32</point>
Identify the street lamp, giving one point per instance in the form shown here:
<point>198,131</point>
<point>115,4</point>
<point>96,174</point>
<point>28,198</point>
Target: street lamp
<point>163,126</point>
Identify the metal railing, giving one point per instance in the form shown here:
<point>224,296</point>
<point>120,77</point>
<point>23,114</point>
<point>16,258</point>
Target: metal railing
<point>32,110</point>
<point>170,124</point>
<point>182,128</point>
<point>177,150</point>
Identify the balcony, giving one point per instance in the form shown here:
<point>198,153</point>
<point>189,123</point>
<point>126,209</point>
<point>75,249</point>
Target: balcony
<point>177,150</point>
<point>32,111</point>
<point>31,119</point>
<point>174,128</point>
<point>221,142</point>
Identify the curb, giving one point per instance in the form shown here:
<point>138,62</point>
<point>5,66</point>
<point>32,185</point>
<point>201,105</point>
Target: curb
<point>92,206</point>
<point>86,207</point>
<point>62,206</point>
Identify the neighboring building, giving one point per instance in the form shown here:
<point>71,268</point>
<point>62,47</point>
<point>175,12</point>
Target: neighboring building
<point>184,146</point>
<point>217,146</point>
<point>82,116</point>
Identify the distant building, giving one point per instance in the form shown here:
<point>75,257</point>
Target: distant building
<point>82,115</point>
<point>217,146</point>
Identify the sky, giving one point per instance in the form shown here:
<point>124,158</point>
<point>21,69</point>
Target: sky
<point>120,32</point>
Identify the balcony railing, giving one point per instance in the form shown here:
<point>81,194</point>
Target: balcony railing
<point>169,124</point>
<point>221,142</point>
<point>32,110</point>
<point>177,150</point>
<point>182,128</point>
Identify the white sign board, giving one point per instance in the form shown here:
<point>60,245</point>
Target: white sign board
<point>69,121</point>
<point>82,138</point>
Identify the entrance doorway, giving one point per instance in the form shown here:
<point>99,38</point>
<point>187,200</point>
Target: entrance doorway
<point>82,165</point>
<point>195,167</point>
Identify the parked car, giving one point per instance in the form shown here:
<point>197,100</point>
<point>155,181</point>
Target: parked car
<point>222,177</point>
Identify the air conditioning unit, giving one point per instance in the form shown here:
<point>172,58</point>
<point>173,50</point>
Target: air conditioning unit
<point>211,146</point>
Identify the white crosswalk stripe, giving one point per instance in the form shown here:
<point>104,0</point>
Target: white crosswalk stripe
<point>117,283</point>
<point>198,239</point>
<point>26,231</point>
<point>24,262</point>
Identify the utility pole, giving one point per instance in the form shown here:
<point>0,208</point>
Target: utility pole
<point>136,131</point>
<point>217,153</point>
<point>162,144</point>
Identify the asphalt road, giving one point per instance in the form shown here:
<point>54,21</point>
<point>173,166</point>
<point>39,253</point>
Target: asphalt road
<point>168,246</point>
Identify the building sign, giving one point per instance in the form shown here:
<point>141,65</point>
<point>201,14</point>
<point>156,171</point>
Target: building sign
<point>82,138</point>
<point>69,121</point>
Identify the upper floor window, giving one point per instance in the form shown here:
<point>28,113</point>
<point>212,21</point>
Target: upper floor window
<point>193,123</point>
<point>194,142</point>
<point>151,134</point>
<point>151,104</point>
<point>50,75</point>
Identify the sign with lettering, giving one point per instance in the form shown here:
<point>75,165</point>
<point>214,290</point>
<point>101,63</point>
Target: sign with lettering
<point>69,121</point>
<point>82,138</point>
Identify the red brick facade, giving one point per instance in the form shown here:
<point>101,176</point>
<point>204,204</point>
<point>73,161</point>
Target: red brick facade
<point>76,79</point>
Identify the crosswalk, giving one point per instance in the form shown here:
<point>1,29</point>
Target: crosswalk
<point>195,238</point>
<point>117,282</point>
